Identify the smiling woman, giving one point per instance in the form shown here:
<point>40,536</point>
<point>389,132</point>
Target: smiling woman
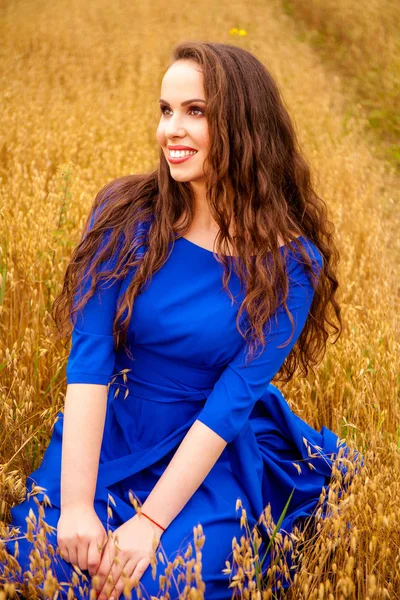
<point>182,132</point>
<point>167,402</point>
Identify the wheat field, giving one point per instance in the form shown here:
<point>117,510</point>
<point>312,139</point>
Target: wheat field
<point>79,95</point>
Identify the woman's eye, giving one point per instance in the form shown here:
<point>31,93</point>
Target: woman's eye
<point>195,108</point>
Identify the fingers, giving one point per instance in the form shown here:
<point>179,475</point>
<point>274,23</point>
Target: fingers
<point>76,555</point>
<point>82,553</point>
<point>93,557</point>
<point>73,555</point>
<point>86,557</point>
<point>109,570</point>
<point>141,568</point>
<point>129,578</point>
<point>105,592</point>
<point>64,554</point>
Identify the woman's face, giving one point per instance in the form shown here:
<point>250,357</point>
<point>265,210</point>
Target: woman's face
<point>183,124</point>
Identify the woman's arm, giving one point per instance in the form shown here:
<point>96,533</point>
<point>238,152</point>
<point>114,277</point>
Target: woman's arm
<point>190,465</point>
<point>230,403</point>
<point>84,417</point>
<point>90,365</point>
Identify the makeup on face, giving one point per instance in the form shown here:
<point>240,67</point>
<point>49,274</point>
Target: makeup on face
<point>182,131</point>
<point>178,154</point>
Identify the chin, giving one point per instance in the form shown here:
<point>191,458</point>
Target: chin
<point>181,177</point>
<point>184,177</point>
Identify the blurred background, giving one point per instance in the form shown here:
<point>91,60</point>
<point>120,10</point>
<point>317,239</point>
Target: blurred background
<point>80,83</point>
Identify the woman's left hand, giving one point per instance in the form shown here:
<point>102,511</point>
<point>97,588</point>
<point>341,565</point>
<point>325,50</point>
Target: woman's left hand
<point>133,554</point>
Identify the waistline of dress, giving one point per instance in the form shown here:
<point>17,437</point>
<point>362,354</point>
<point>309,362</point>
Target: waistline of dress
<point>145,391</point>
<point>151,376</point>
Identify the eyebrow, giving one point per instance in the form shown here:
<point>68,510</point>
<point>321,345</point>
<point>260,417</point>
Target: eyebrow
<point>186,101</point>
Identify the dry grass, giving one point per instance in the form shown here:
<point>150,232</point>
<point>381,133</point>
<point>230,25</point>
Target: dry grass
<point>80,84</point>
<point>363,44</point>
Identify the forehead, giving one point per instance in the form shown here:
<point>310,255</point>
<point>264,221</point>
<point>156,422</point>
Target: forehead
<point>184,77</point>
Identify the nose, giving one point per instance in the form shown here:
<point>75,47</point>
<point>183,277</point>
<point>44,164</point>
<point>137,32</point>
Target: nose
<point>174,127</point>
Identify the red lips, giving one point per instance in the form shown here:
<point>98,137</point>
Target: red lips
<point>180,148</point>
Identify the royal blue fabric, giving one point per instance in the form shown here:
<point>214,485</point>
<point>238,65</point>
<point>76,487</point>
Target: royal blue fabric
<point>189,365</point>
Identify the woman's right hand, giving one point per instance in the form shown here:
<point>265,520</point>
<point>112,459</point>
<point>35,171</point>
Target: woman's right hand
<point>81,537</point>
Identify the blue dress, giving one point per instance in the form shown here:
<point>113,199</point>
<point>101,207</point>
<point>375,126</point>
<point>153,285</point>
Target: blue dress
<point>189,364</point>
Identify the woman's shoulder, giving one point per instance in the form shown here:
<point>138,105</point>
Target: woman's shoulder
<point>313,251</point>
<point>295,259</point>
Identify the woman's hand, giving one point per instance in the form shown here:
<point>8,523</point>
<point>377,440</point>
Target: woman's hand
<point>132,551</point>
<point>81,537</point>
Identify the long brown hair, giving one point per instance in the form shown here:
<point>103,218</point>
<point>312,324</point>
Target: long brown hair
<point>254,152</point>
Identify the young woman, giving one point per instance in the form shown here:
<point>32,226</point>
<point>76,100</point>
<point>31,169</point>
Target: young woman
<point>192,288</point>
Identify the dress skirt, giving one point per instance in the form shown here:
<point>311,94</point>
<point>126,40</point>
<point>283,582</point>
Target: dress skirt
<point>257,467</point>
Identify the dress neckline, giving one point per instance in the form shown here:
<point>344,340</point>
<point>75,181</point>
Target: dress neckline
<point>300,237</point>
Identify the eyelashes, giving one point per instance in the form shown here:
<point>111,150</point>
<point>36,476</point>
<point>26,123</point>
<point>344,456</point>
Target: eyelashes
<point>163,108</point>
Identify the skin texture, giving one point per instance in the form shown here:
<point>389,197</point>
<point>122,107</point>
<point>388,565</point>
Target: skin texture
<point>186,126</point>
<point>81,535</point>
<point>191,463</point>
<point>88,547</point>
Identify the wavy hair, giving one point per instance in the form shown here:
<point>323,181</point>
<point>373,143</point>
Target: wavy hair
<point>257,178</point>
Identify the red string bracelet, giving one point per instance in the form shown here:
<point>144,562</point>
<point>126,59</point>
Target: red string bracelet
<point>142,513</point>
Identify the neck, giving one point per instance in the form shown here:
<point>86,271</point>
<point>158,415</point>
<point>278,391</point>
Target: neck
<point>203,219</point>
<point>202,216</point>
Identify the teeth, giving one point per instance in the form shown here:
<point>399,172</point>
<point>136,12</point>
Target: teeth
<point>181,153</point>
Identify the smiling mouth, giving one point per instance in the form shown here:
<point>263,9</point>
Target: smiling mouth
<point>181,153</point>
<point>177,158</point>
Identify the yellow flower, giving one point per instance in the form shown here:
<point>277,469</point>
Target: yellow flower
<point>233,31</point>
<point>242,32</point>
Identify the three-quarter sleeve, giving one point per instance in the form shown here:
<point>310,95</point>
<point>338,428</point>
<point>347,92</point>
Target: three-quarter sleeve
<point>232,399</point>
<point>92,355</point>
